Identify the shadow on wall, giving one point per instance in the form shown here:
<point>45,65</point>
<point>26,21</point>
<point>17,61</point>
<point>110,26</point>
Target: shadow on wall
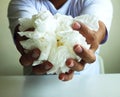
<point>9,56</point>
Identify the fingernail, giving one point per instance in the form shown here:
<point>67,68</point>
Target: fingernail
<point>47,67</point>
<point>76,25</point>
<point>36,53</point>
<point>71,64</point>
<point>61,77</point>
<point>78,49</point>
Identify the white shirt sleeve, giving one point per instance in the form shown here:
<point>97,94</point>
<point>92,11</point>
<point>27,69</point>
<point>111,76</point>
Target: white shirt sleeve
<point>101,8</point>
<point>18,9</point>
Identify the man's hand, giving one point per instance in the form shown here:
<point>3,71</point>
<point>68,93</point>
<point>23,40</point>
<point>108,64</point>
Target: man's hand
<point>94,39</point>
<point>28,58</point>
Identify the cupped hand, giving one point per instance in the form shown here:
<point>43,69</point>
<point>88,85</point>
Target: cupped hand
<point>28,58</point>
<point>93,38</point>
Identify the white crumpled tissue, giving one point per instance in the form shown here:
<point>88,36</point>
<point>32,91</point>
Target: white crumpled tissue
<point>54,36</point>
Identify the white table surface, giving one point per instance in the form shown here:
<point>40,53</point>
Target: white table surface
<point>105,85</point>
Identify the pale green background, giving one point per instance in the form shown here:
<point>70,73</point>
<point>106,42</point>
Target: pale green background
<point>9,56</point>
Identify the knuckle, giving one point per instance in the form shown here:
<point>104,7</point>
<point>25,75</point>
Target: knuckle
<point>92,59</point>
<point>25,61</point>
<point>35,53</point>
<point>42,68</point>
<point>38,69</point>
<point>79,67</point>
<point>93,37</point>
<point>70,77</point>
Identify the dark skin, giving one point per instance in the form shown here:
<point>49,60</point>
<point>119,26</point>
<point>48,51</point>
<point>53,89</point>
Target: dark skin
<point>58,3</point>
<point>87,55</point>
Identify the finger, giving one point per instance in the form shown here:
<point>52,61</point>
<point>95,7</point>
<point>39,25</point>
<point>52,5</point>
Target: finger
<point>84,30</point>
<point>30,29</point>
<point>28,58</point>
<point>18,38</point>
<point>66,76</point>
<point>35,53</point>
<point>88,34</point>
<point>74,65</point>
<point>86,54</point>
<point>76,26</point>
<point>42,68</point>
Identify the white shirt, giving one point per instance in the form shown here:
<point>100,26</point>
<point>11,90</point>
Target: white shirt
<point>26,8</point>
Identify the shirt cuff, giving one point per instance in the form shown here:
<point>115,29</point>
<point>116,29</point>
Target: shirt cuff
<point>105,39</point>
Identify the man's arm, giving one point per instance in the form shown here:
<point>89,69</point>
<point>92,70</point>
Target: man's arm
<point>103,10</point>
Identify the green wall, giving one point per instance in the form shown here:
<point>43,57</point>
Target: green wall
<point>111,50</point>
